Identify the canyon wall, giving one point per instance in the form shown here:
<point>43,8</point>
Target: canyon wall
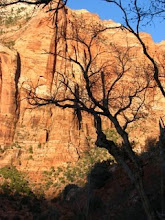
<point>50,132</point>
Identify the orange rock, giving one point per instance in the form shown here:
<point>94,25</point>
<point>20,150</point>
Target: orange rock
<point>33,63</point>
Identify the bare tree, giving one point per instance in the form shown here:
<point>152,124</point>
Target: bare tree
<point>99,87</point>
<point>53,5</point>
<point>119,106</point>
<point>141,15</point>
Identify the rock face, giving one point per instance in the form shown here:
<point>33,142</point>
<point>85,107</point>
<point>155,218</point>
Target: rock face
<point>52,133</point>
<point>9,106</point>
<point>30,64</point>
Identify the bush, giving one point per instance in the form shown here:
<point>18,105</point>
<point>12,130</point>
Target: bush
<point>39,145</point>
<point>9,44</point>
<point>14,181</point>
<point>11,20</point>
<point>76,173</point>
<point>112,135</point>
<point>30,150</point>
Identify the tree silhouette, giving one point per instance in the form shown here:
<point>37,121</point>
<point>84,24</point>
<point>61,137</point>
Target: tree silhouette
<point>142,15</point>
<point>100,88</point>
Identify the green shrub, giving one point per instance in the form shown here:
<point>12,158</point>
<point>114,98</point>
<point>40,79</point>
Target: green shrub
<point>112,135</point>
<point>27,18</point>
<point>9,44</point>
<point>17,145</point>
<point>30,150</point>
<point>48,184</point>
<point>30,157</point>
<point>76,173</point>
<point>2,150</point>
<point>11,20</point>
<point>1,20</point>
<point>39,145</point>
<point>14,181</point>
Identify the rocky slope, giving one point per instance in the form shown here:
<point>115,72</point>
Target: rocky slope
<point>52,134</point>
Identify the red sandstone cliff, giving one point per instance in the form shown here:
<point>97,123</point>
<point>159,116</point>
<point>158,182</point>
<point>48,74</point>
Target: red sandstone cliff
<point>32,63</point>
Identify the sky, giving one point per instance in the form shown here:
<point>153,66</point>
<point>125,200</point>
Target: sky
<point>108,11</point>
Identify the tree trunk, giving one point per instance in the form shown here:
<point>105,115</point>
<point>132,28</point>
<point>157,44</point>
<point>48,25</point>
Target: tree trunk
<point>135,174</point>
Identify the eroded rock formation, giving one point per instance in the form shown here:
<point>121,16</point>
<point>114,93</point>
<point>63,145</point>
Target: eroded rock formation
<point>32,63</point>
<point>10,68</point>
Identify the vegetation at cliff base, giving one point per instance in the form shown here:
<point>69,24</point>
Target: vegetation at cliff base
<point>75,173</point>
<point>13,181</point>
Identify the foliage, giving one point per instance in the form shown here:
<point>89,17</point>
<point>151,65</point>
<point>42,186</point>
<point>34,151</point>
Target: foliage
<point>76,173</point>
<point>27,18</point>
<point>16,145</point>
<point>1,20</point>
<point>112,135</point>
<point>9,44</point>
<point>30,157</point>
<point>2,150</point>
<point>39,145</point>
<point>10,20</point>
<point>14,18</point>
<point>14,181</point>
<point>30,150</point>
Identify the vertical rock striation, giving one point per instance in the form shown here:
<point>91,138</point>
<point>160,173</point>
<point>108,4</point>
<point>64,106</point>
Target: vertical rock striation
<point>9,104</point>
<point>34,63</point>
